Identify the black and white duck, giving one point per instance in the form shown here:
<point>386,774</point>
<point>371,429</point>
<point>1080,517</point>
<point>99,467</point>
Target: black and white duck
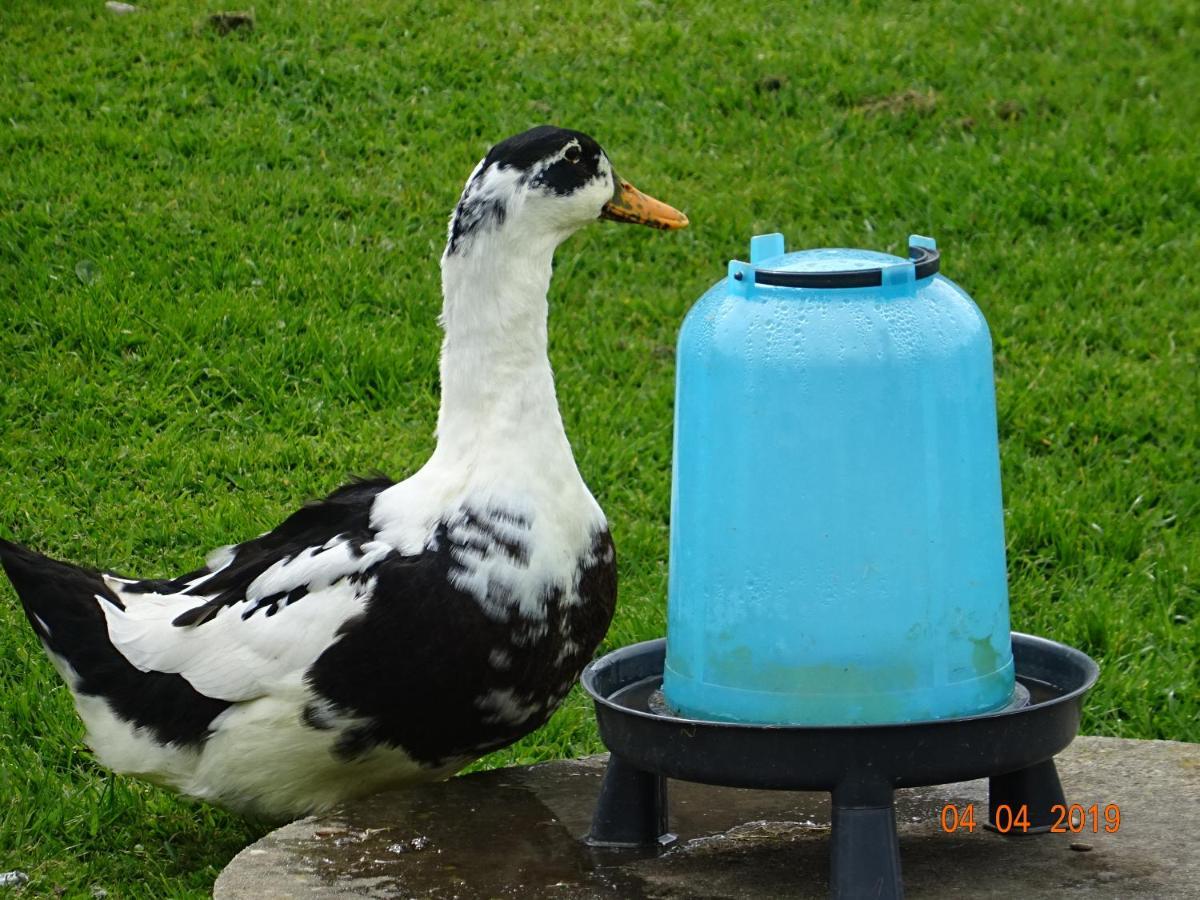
<point>394,631</point>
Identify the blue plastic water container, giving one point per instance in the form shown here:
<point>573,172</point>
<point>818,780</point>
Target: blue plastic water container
<point>837,537</point>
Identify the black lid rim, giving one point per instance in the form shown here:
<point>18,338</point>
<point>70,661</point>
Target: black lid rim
<point>927,262</point>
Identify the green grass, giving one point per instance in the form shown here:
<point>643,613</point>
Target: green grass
<point>218,277</point>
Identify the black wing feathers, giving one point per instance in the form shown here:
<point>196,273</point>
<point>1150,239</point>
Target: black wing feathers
<point>60,602</point>
<point>347,511</point>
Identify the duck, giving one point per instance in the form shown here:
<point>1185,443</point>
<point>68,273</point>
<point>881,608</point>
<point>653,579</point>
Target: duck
<point>394,631</point>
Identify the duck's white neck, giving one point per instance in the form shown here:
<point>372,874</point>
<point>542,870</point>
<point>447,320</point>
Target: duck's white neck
<point>497,387</point>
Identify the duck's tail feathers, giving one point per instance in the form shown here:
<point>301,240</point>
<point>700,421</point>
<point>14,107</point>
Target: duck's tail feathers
<point>65,605</point>
<point>59,598</point>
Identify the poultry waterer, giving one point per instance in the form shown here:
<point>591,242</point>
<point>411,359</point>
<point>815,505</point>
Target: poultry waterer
<point>837,537</point>
<point>837,610</point>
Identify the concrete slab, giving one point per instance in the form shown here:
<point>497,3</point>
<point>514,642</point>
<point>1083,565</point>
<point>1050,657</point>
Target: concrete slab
<point>515,833</point>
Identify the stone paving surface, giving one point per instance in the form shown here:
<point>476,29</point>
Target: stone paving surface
<point>514,833</point>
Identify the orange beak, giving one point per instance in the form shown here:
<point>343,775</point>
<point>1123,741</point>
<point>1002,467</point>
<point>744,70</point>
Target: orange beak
<point>628,204</point>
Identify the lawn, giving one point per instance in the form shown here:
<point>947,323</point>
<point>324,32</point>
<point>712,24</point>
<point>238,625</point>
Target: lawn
<point>218,276</point>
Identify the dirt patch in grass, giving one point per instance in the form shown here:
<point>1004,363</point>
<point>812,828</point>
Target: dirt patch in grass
<point>913,100</point>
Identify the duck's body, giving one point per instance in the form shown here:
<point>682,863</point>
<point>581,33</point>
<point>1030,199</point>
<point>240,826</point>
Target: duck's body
<point>325,663</point>
<point>392,632</point>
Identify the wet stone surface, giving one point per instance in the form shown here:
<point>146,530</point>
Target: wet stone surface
<point>515,833</point>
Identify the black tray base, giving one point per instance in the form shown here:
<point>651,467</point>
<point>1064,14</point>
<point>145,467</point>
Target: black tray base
<point>861,765</point>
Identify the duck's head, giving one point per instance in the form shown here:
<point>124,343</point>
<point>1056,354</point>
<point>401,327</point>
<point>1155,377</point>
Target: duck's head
<point>542,185</point>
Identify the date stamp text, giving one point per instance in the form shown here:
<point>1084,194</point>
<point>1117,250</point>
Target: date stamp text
<point>1073,819</point>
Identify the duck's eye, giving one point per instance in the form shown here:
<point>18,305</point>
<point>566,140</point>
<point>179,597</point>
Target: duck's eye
<point>573,154</point>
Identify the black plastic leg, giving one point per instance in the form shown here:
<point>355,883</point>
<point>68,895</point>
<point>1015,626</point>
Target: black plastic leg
<point>864,851</point>
<point>632,808</point>
<point>1033,791</point>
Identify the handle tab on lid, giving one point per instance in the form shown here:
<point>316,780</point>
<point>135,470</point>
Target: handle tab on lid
<point>900,273</point>
<point>765,246</point>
